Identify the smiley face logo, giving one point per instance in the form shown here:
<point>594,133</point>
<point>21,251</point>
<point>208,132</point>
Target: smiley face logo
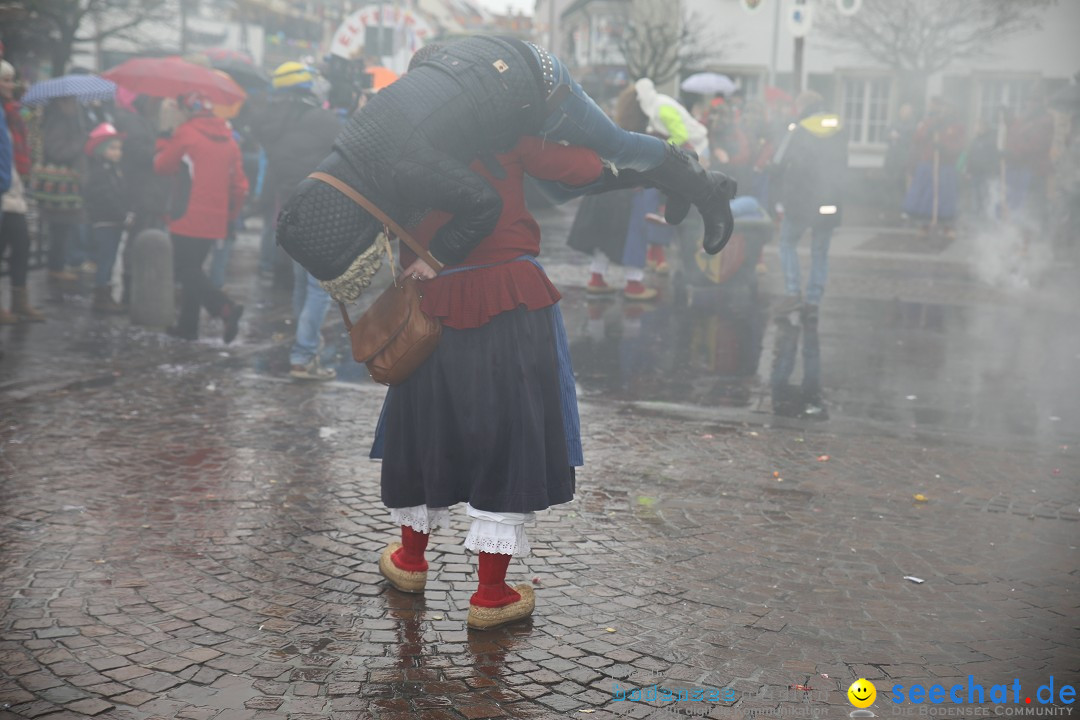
<point>862,693</point>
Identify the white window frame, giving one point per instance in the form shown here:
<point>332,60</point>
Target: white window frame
<point>980,80</point>
<point>860,140</point>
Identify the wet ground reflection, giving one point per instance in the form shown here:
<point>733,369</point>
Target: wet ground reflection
<point>804,400</point>
<point>632,351</point>
<point>987,370</point>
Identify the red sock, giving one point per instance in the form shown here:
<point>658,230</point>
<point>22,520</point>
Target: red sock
<point>411,554</point>
<point>635,287</point>
<point>493,590</point>
<point>658,254</point>
<point>597,280</point>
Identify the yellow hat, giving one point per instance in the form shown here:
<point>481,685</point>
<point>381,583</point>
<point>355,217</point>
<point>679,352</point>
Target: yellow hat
<point>291,74</point>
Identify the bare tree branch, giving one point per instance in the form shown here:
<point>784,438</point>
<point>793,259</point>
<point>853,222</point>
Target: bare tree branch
<point>151,11</point>
<point>657,43</point>
<point>927,36</point>
<point>57,26</point>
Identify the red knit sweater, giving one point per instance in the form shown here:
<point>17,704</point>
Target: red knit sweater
<point>20,149</point>
<point>470,298</point>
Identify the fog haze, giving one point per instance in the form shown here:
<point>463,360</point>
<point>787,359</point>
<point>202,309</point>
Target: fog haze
<point>525,6</point>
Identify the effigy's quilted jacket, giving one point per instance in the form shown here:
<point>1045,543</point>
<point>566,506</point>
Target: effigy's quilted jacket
<point>408,150</point>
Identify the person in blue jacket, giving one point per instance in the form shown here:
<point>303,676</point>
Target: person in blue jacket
<point>5,155</point>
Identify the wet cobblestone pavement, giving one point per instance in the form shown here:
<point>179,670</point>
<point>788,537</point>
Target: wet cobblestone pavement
<point>186,534</point>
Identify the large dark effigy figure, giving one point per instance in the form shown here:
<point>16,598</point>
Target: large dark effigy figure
<point>408,151</point>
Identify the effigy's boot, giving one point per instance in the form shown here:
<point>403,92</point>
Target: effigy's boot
<point>685,182</point>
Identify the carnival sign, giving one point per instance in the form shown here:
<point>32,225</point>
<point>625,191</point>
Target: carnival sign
<point>800,19</point>
<point>409,28</point>
<point>848,7</point>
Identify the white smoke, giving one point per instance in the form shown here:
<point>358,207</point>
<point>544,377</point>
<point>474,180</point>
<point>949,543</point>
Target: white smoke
<point>1010,258</point>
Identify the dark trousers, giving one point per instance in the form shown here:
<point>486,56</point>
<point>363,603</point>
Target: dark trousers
<point>197,291</point>
<point>15,235</point>
<point>61,235</point>
<point>106,241</point>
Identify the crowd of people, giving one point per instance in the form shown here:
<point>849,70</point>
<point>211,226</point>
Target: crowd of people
<point>101,173</point>
<point>1018,168</point>
<point>1018,147</point>
<point>789,161</point>
<point>936,169</point>
<point>1005,168</point>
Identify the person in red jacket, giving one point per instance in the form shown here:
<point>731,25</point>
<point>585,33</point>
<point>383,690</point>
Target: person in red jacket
<point>936,147</point>
<point>209,193</point>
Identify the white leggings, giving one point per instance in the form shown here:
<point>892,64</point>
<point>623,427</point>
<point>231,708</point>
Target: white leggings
<point>490,532</point>
<point>600,264</point>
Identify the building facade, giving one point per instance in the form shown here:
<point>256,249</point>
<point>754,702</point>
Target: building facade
<point>867,93</point>
<point>757,50</point>
<point>547,21</point>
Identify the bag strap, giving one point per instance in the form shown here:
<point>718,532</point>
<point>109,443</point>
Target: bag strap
<point>345,316</point>
<point>363,202</point>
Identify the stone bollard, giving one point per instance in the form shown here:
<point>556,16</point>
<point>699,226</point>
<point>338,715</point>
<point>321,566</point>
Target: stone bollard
<point>152,296</point>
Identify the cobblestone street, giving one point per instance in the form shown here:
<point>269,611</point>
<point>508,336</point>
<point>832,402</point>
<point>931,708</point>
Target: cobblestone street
<point>184,533</point>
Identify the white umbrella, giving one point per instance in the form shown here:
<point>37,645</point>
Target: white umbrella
<point>708,83</point>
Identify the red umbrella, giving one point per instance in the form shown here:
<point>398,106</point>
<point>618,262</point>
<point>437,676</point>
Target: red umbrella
<point>774,94</point>
<point>220,53</point>
<point>171,76</point>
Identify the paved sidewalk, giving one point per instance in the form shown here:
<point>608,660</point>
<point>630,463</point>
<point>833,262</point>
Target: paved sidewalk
<point>185,536</point>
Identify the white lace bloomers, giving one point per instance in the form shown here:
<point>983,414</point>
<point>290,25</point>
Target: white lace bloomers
<point>490,532</point>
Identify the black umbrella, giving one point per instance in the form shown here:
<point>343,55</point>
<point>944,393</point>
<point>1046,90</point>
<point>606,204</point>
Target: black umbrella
<point>245,74</point>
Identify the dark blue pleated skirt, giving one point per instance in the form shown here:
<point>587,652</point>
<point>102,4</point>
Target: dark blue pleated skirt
<point>481,421</point>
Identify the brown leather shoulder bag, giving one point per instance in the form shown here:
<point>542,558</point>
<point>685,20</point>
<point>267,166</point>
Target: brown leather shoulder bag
<point>394,336</point>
